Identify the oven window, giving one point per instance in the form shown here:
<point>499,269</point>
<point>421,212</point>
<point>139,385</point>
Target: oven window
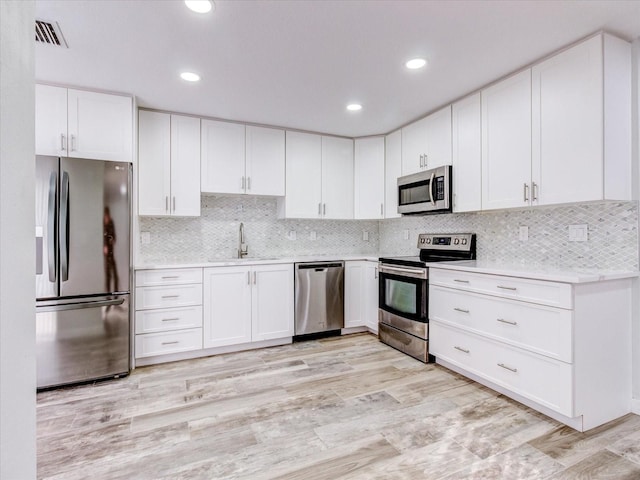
<point>401,296</point>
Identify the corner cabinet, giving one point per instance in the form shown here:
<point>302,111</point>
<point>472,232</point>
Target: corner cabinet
<point>168,164</point>
<point>560,348</point>
<point>369,178</point>
<point>426,143</point>
<point>319,177</point>
<point>392,170</point>
<point>83,124</point>
<point>245,304</point>
<point>239,159</point>
<point>467,154</point>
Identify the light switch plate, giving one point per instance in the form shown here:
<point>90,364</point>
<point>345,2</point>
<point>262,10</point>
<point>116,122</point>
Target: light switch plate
<point>145,238</point>
<point>578,233</point>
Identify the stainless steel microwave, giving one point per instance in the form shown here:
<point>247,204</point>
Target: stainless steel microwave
<point>425,192</point>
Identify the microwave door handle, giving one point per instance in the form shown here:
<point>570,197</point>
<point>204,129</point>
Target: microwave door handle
<point>433,176</point>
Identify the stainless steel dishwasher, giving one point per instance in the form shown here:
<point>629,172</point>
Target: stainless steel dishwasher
<point>319,297</point>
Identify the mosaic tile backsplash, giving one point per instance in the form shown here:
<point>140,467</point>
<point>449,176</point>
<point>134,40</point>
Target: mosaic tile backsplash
<point>612,234</point>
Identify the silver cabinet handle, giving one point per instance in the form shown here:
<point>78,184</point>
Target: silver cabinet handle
<point>63,142</point>
<point>255,278</point>
<point>421,161</point>
<point>170,296</point>
<point>175,342</point>
<point>507,288</point>
<point>174,204</point>
<point>526,192</point>
<point>460,281</point>
<point>534,191</point>
<point>248,183</point>
<point>461,349</point>
<point>170,276</point>
<point>508,322</point>
<point>243,183</point>
<point>320,209</point>
<point>382,209</point>
<point>248,278</point>
<point>461,310</point>
<point>375,275</point>
<point>166,203</point>
<point>426,161</point>
<point>511,369</point>
<point>324,209</point>
<point>73,143</point>
<point>175,319</point>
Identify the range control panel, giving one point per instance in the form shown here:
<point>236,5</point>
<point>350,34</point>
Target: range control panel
<point>446,241</point>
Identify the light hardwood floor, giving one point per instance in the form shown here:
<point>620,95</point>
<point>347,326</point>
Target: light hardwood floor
<point>340,408</point>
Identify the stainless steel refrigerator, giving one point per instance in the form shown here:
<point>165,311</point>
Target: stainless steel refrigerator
<point>82,270</point>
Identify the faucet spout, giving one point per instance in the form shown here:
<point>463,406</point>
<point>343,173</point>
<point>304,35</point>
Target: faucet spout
<point>243,249</point>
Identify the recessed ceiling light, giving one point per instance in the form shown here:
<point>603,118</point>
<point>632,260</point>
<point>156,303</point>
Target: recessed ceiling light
<point>415,63</point>
<point>199,6</point>
<point>354,107</point>
<point>190,76</point>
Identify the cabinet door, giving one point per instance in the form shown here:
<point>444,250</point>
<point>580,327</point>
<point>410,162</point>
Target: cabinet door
<point>272,302</point>
<point>223,157</point>
<point>353,300</point>
<point>414,146</point>
<point>369,178</point>
<point>185,166</point>
<point>392,170</point>
<point>506,143</point>
<point>227,306</point>
<point>438,138</point>
<point>467,155</point>
<point>303,175</point>
<point>100,126</point>
<point>370,295</point>
<point>568,125</point>
<point>154,163</point>
<point>51,121</point>
<point>265,161</point>
<point>337,178</point>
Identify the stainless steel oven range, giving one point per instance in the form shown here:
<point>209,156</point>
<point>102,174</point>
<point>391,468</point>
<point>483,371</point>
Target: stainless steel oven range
<point>403,294</point>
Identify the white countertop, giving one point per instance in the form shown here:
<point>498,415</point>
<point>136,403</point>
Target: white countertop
<point>540,272</point>
<point>258,261</point>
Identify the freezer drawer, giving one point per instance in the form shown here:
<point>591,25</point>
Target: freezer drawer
<point>82,340</point>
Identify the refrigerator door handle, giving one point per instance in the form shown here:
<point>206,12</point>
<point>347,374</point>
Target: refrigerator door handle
<point>52,233</point>
<point>64,227</point>
<point>79,305</point>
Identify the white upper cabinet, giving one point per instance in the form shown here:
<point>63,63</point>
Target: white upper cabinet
<point>369,178</point>
<point>239,159</point>
<point>223,150</point>
<point>579,96</point>
<point>392,170</point>
<point>82,124</point>
<point>265,164</point>
<point>337,178</point>
<point>467,154</point>
<point>168,164</point>
<point>319,177</point>
<point>426,143</point>
<point>506,142</point>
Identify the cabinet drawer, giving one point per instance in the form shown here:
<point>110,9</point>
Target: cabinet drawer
<point>167,319</point>
<point>541,329</point>
<point>170,296</point>
<point>534,291</point>
<point>152,344</point>
<point>170,276</point>
<point>541,379</point>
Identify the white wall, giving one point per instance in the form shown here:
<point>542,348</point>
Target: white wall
<point>17,292</point>
<point>636,196</point>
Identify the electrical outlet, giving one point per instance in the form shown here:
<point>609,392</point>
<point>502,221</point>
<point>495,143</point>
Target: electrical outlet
<point>145,238</point>
<point>313,235</point>
<point>578,233</point>
<point>523,233</point>
<point>291,235</point>
<point>365,235</point>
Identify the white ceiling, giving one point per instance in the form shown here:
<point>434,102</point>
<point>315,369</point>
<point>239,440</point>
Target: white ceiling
<point>298,63</point>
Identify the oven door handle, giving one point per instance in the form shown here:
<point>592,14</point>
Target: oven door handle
<point>408,272</point>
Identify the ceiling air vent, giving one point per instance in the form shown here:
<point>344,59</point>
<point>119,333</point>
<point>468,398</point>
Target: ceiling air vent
<point>49,32</point>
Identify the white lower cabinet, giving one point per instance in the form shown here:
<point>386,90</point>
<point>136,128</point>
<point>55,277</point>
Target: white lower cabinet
<point>245,304</point>
<point>560,348</point>
<point>361,295</point>
<point>168,317</point>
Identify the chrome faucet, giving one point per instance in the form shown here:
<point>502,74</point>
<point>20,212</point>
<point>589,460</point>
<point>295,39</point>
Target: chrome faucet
<point>243,250</point>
